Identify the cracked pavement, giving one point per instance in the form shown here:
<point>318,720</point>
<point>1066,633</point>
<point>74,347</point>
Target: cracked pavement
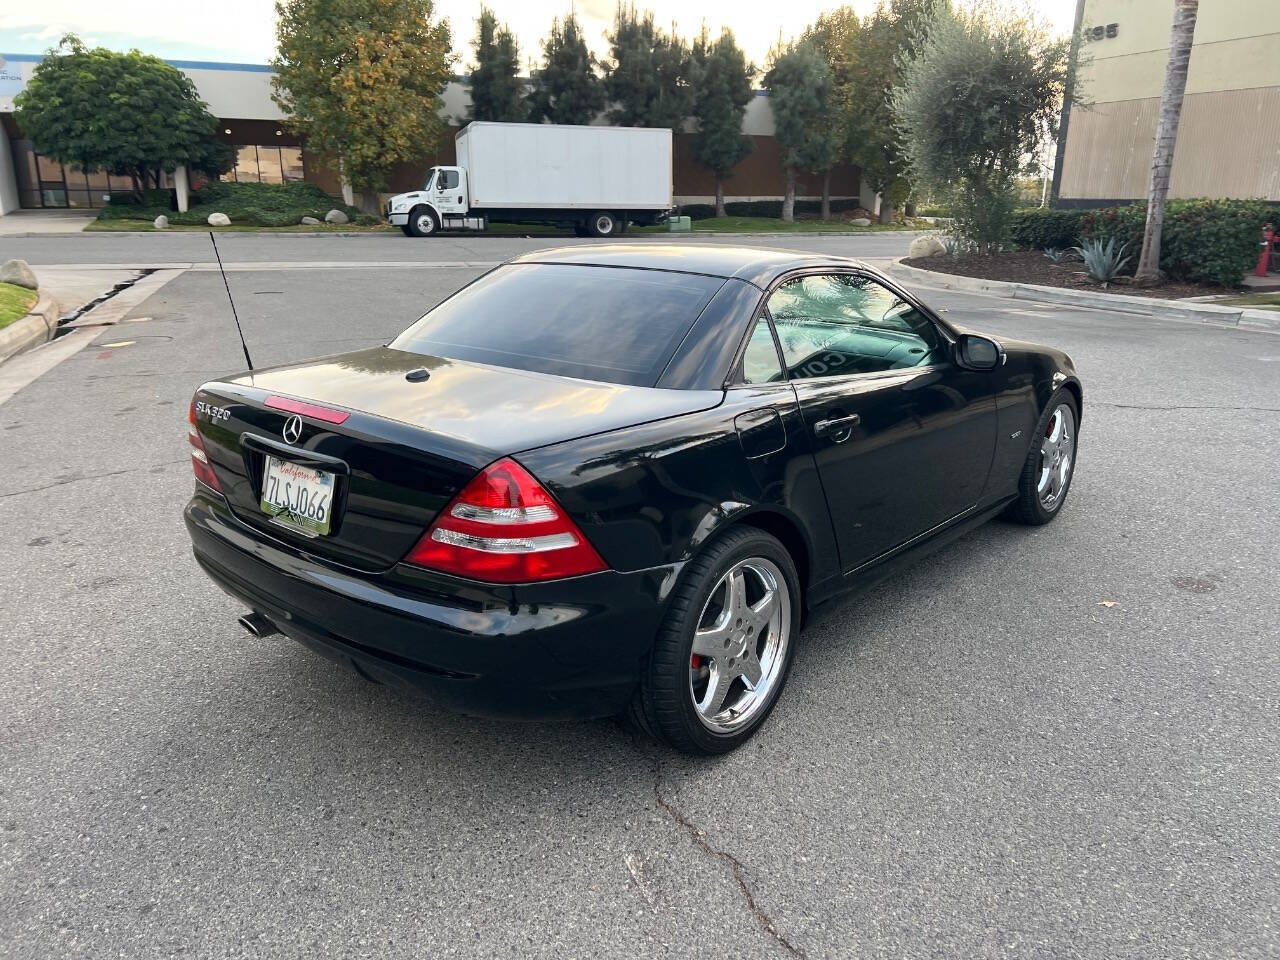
<point>1051,742</point>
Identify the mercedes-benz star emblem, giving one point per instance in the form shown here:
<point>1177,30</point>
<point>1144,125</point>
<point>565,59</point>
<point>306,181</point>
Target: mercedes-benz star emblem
<point>292,431</point>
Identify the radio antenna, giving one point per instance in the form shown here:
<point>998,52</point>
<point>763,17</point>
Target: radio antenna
<point>243,346</point>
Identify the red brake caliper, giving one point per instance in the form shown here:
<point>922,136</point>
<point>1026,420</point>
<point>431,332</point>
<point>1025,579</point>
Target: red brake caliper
<point>695,662</point>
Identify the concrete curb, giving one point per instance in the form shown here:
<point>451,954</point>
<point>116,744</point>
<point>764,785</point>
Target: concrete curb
<point>35,328</point>
<point>1147,306</point>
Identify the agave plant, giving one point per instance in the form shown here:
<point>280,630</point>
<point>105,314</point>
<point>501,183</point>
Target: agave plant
<point>954,246</point>
<point>1055,254</point>
<point>1102,262</point>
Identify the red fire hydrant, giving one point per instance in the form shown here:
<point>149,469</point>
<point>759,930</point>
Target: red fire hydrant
<point>1264,257</point>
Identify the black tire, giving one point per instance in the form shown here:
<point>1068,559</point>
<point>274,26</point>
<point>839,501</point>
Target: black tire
<point>423,222</point>
<point>1029,508</point>
<point>664,706</point>
<point>602,223</point>
<point>406,231</point>
<point>580,230</point>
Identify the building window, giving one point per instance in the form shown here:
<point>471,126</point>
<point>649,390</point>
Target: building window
<point>43,182</point>
<point>246,168</point>
<point>269,165</point>
<point>266,163</point>
<point>291,161</point>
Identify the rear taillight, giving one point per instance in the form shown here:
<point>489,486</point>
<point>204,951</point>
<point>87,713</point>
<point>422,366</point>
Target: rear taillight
<point>199,461</point>
<point>505,528</point>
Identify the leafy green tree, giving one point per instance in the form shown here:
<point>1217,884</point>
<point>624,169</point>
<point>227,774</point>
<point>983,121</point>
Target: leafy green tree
<point>888,37</point>
<point>567,89</point>
<point>981,95</point>
<point>497,92</point>
<point>129,114</point>
<point>361,80</point>
<point>648,78</point>
<point>720,98</point>
<point>799,85</point>
<point>836,36</point>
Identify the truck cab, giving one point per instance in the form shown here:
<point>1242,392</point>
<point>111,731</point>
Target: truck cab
<point>441,204</point>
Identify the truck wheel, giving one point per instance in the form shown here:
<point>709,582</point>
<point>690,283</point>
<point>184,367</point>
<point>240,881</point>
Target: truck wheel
<point>579,230</point>
<point>406,231</point>
<point>602,224</point>
<point>422,222</point>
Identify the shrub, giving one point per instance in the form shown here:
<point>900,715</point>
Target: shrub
<point>1040,228</point>
<point>162,199</point>
<point>983,214</point>
<point>253,204</point>
<point>1203,241</point>
<point>764,208</point>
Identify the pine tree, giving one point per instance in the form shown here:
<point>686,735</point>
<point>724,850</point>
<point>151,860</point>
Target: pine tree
<point>835,36</point>
<point>721,94</point>
<point>567,89</point>
<point>649,76</point>
<point>497,92</point>
<point>799,85</point>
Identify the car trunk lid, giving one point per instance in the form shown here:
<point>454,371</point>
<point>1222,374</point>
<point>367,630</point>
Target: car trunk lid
<point>414,430</point>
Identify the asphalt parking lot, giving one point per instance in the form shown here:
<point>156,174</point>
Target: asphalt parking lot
<point>1037,742</point>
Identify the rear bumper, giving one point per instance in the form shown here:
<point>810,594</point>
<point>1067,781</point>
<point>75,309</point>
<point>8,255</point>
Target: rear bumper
<point>564,650</point>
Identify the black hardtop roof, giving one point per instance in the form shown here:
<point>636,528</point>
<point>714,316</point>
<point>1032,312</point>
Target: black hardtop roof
<point>757,265</point>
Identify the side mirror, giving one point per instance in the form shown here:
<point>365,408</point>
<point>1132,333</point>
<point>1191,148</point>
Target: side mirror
<point>978,353</point>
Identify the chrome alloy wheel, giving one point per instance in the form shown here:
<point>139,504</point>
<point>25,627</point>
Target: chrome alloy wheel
<point>740,645</point>
<point>604,225</point>
<point>426,223</point>
<point>1057,457</point>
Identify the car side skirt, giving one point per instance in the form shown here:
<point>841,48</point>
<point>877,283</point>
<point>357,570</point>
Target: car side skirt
<point>899,558</point>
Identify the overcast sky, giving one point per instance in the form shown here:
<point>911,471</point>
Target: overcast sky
<point>244,30</point>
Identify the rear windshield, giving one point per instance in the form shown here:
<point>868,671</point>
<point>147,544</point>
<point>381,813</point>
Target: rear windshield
<point>613,324</point>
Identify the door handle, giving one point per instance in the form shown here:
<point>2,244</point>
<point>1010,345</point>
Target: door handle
<point>836,425</point>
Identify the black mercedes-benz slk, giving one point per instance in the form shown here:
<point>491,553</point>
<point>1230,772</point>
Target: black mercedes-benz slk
<point>608,480</point>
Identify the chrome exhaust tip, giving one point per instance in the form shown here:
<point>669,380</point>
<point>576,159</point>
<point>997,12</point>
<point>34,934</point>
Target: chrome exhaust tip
<point>258,625</point>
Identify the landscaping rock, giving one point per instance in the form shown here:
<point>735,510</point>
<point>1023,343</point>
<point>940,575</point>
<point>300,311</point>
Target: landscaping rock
<point>18,272</point>
<point>310,221</point>
<point>219,220</point>
<point>861,222</point>
<point>336,216</point>
<point>161,222</point>
<point>928,246</point>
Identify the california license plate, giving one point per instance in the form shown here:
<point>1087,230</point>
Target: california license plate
<point>297,497</point>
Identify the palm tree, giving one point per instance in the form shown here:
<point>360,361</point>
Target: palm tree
<point>1175,82</point>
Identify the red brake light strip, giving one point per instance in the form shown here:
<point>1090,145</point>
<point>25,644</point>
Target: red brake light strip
<point>304,409</point>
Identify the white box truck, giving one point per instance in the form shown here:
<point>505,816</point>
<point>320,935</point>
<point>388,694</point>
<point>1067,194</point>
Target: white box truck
<point>593,179</point>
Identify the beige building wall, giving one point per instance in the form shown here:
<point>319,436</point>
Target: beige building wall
<point>1229,135</point>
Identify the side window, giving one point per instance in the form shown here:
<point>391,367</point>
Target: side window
<point>834,324</point>
<point>760,359</point>
<point>448,179</point>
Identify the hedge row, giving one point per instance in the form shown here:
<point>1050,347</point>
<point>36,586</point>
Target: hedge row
<point>254,204</point>
<point>1203,241</point>
<point>1040,228</point>
<point>763,208</point>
